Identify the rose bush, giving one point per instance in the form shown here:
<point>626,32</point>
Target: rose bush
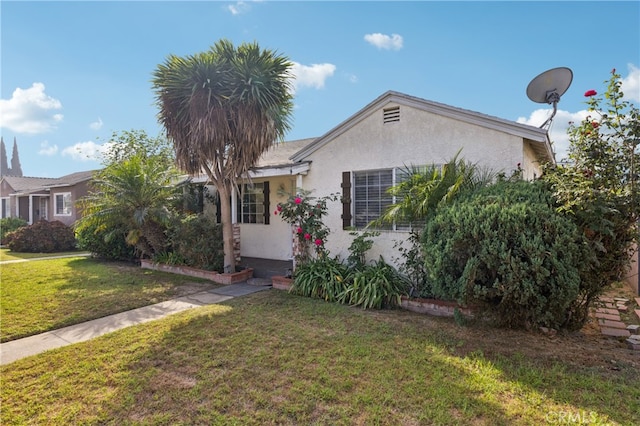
<point>305,214</point>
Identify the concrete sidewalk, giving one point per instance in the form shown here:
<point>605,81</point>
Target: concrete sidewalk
<point>33,345</point>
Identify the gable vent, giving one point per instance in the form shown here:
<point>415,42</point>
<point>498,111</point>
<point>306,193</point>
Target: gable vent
<point>391,115</point>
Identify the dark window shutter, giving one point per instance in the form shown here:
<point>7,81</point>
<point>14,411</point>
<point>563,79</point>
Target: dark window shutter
<point>218,212</point>
<point>346,200</point>
<point>267,210</point>
<point>239,205</point>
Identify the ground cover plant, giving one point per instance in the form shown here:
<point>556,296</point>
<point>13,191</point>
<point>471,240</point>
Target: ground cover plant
<point>277,358</point>
<point>43,295</point>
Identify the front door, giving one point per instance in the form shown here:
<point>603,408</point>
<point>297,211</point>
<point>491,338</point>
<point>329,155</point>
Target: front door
<point>44,208</point>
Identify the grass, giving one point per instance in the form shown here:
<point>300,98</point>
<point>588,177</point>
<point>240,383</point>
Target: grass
<point>43,295</point>
<point>6,254</point>
<point>275,358</point>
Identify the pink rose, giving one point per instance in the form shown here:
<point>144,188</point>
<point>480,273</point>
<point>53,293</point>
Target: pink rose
<point>318,242</point>
<point>307,236</point>
<point>276,212</point>
<point>590,93</point>
<point>298,200</point>
<point>279,208</point>
<point>299,230</point>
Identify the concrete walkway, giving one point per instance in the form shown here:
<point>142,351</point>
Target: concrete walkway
<point>33,345</point>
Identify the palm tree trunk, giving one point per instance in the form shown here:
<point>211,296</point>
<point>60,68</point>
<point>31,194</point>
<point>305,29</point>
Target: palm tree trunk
<point>224,192</point>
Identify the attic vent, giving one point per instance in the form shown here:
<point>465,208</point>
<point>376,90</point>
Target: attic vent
<point>390,115</point>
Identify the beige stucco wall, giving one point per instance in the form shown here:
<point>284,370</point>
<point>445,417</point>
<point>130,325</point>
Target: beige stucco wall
<point>418,138</point>
<point>272,241</point>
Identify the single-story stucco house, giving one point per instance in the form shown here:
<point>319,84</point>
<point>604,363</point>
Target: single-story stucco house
<point>361,157</point>
<point>36,198</point>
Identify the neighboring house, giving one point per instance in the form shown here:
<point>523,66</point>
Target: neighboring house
<point>362,157</point>
<point>34,198</point>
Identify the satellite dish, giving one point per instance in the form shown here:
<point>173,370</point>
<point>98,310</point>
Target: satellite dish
<point>547,88</point>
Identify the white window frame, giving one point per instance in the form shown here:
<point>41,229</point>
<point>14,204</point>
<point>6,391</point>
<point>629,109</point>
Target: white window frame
<point>67,205</point>
<point>6,211</point>
<point>255,190</point>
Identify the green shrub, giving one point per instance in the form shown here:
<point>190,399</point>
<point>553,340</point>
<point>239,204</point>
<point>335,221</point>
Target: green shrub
<point>374,286</point>
<point>506,248</point>
<point>109,244</point>
<point>322,278</point>
<point>42,237</point>
<point>196,240</point>
<point>10,224</point>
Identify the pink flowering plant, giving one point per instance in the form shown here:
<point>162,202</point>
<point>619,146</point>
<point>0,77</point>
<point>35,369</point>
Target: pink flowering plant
<point>305,214</point>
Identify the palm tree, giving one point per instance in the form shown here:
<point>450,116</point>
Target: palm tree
<point>222,109</point>
<point>132,195</point>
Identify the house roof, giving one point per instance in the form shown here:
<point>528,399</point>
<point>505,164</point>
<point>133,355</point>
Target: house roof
<point>27,185</point>
<point>538,137</point>
<point>72,179</point>
<point>280,154</point>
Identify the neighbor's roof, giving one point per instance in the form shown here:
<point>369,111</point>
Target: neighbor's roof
<point>538,137</point>
<point>27,184</point>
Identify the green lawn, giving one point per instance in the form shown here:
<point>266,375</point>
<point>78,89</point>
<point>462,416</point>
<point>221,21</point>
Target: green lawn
<point>43,295</point>
<point>6,254</point>
<point>275,358</point>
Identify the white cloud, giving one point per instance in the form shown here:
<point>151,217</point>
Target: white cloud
<point>85,151</point>
<point>239,8</point>
<point>311,76</point>
<point>48,150</point>
<point>96,125</point>
<point>631,84</point>
<point>384,41</point>
<point>558,129</point>
<point>30,111</point>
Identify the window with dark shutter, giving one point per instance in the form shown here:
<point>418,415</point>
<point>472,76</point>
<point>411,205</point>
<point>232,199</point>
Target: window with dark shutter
<point>253,203</point>
<point>346,200</point>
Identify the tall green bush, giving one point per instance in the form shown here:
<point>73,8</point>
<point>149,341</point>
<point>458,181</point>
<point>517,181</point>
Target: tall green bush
<point>105,243</point>
<point>506,248</point>
<point>10,224</point>
<point>196,241</point>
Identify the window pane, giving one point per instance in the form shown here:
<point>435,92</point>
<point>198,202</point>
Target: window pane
<point>253,203</point>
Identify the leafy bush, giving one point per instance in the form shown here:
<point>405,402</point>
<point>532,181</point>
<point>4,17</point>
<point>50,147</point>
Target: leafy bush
<point>374,286</point>
<point>322,278</point>
<point>42,237</point>
<point>104,243</point>
<point>196,240</point>
<point>10,224</point>
<point>506,247</point>
<point>598,189</point>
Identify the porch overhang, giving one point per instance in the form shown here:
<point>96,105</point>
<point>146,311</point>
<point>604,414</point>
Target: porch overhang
<point>290,169</point>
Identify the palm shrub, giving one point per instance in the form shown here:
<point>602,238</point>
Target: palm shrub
<point>136,191</point>
<point>506,248</point>
<point>417,196</point>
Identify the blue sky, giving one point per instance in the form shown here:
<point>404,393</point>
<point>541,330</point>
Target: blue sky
<point>73,73</point>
